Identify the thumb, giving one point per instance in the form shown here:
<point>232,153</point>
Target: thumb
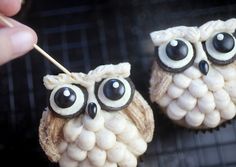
<point>15,42</point>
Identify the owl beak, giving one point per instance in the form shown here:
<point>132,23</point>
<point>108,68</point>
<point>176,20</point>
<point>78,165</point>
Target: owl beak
<point>92,110</point>
<point>203,67</point>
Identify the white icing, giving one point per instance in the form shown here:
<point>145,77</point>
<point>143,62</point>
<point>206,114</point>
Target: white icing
<point>62,146</point>
<point>93,124</point>
<point>105,139</point>
<point>175,112</point>
<point>116,85</point>
<point>137,146</point>
<point>192,72</point>
<point>115,103</point>
<point>200,55</point>
<point>197,88</point>
<point>78,104</point>
<point>194,118</point>
<point>97,157</point>
<point>174,91</point>
<point>229,112</point>
<point>227,72</point>
<point>206,103</point>
<point>86,80</point>
<point>164,101</point>
<point>72,130</point>
<point>130,132</point>
<point>220,37</point>
<point>174,43</point>
<point>187,101</point>
<point>109,164</point>
<point>172,63</point>
<point>116,143</point>
<point>65,161</point>
<point>222,99</point>
<point>66,93</point>
<point>214,80</point>
<point>116,124</point>
<point>129,160</point>
<point>191,34</point>
<point>75,153</point>
<point>85,163</point>
<point>86,140</point>
<point>212,119</point>
<point>211,27</point>
<point>230,87</point>
<point>116,153</point>
<point>181,81</point>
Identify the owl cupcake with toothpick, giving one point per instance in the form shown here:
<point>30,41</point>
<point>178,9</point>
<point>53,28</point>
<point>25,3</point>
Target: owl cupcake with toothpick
<point>193,77</point>
<point>96,119</point>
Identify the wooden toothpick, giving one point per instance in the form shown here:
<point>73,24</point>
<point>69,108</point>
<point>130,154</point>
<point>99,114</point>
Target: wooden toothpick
<point>40,50</point>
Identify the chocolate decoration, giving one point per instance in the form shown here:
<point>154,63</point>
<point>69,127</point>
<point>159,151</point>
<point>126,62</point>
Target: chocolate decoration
<point>169,69</point>
<point>225,44</point>
<point>109,108</point>
<point>111,91</point>
<point>203,67</point>
<point>92,110</point>
<point>216,61</point>
<point>65,97</point>
<point>178,52</point>
<point>80,110</point>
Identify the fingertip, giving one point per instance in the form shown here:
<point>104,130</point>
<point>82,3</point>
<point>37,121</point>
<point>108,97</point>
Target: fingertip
<point>35,37</point>
<point>10,7</point>
<point>15,42</point>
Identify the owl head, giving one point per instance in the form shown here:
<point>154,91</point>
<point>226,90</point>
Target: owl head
<point>93,117</point>
<point>194,74</point>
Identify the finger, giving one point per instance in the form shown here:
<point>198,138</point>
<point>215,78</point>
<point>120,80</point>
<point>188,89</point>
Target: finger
<point>10,7</point>
<point>15,41</point>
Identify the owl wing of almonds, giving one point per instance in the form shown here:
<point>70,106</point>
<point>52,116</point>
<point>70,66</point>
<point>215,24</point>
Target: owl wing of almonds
<point>111,129</point>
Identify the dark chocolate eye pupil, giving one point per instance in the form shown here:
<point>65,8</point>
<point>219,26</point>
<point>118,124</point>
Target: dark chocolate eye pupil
<point>176,50</point>
<point>65,97</point>
<point>223,42</point>
<point>114,89</point>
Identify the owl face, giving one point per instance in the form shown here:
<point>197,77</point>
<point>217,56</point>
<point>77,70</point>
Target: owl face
<point>110,93</point>
<point>95,119</point>
<point>194,75</point>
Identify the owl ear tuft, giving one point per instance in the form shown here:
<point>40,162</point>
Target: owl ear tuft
<point>142,115</point>
<point>159,82</point>
<point>50,134</point>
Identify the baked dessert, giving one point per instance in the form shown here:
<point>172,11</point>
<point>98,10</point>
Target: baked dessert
<point>96,119</point>
<point>193,77</point>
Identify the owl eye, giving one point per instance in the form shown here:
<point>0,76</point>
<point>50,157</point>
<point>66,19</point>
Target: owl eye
<point>221,48</point>
<point>115,93</point>
<point>176,55</point>
<point>68,100</point>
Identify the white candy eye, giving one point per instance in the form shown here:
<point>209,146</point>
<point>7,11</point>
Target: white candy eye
<point>176,55</point>
<point>221,48</point>
<point>115,93</point>
<point>68,100</point>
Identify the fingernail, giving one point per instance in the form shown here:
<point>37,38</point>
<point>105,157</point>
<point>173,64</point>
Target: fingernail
<point>22,42</point>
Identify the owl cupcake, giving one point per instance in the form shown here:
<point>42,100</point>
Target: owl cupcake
<point>193,77</point>
<point>96,119</point>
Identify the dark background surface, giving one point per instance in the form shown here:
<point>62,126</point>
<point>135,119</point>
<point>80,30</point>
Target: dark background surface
<point>82,34</point>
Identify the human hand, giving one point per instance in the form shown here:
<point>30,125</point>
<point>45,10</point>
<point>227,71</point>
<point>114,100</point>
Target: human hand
<point>17,40</point>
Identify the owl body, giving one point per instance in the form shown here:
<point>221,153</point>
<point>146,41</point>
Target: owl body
<point>107,141</point>
<point>196,70</point>
<point>96,119</point>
